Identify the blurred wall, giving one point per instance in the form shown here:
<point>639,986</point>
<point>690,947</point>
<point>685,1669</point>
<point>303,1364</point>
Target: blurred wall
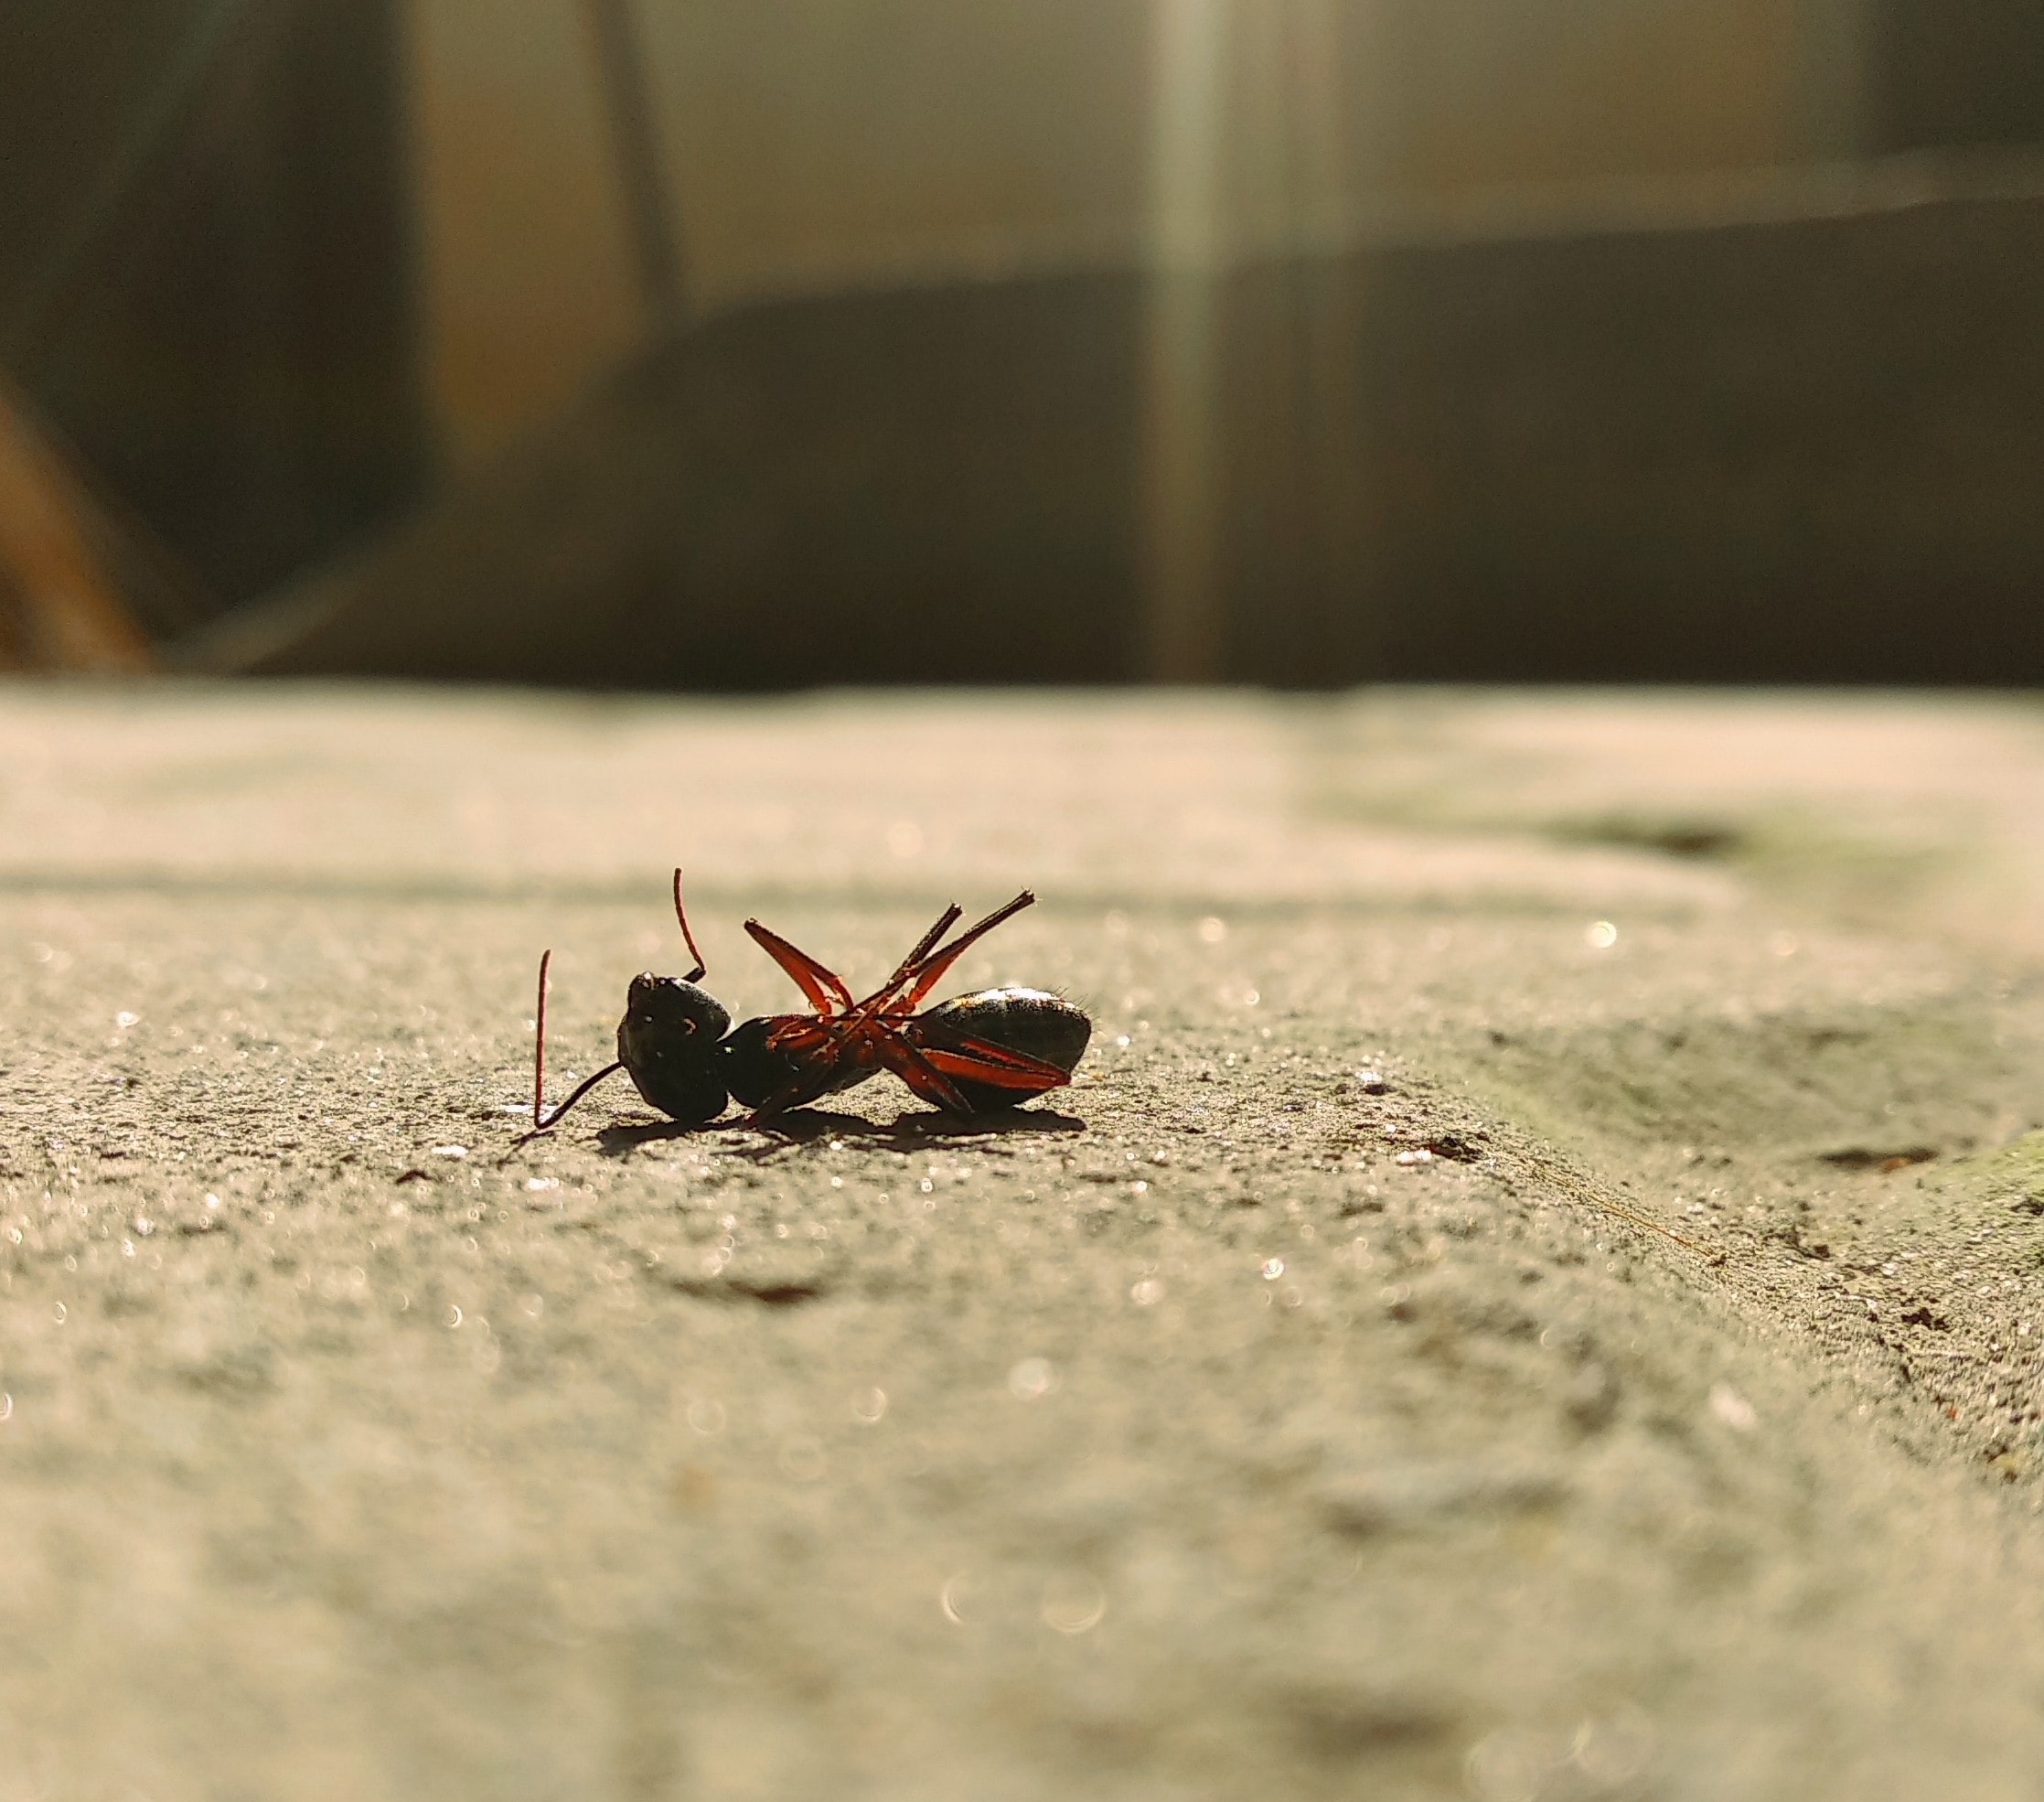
<point>813,145</point>
<point>1804,448</point>
<point>525,281</point>
<point>1944,74</point>
<point>1141,273</point>
<point>206,269</point>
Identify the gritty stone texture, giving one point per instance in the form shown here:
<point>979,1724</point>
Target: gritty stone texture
<point>1537,1293</point>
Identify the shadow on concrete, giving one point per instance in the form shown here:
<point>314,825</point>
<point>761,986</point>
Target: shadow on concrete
<point>806,1126</point>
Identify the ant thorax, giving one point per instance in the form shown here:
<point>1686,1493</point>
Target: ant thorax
<point>756,1070</point>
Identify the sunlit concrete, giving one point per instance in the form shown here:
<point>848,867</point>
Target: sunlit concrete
<point>1533,1293</point>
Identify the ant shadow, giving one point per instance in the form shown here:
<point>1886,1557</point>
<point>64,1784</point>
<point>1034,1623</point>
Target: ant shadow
<point>623,1141</point>
<point>806,1126</point>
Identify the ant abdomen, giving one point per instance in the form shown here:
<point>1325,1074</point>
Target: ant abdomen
<point>1032,1021</point>
<point>668,1043</point>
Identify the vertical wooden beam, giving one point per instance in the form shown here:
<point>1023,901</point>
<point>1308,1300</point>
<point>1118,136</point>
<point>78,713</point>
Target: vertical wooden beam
<point>61,606</point>
<point>1829,83</point>
<point>1182,617</point>
<point>641,165</point>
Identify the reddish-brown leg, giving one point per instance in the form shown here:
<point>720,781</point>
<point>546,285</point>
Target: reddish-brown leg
<point>920,1074</point>
<point>980,1060</point>
<point>904,970</point>
<point>928,973</point>
<point>824,988</point>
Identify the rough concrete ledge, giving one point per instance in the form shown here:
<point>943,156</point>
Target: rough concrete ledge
<point>1535,1293</point>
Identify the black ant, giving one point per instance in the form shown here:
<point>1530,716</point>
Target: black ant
<point>997,1049</point>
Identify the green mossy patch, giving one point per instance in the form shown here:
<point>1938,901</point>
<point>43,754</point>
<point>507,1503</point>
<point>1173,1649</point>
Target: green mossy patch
<point>2011,1174</point>
<point>1868,1088</point>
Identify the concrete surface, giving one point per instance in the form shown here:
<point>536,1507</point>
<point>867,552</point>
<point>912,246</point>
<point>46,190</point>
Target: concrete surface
<point>1627,1388</point>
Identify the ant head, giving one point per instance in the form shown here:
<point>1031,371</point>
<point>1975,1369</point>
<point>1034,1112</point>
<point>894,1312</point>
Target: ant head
<point>672,1003</point>
<point>667,1043</point>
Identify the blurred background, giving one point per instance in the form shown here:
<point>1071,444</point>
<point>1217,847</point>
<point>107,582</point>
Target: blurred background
<point>664,344</point>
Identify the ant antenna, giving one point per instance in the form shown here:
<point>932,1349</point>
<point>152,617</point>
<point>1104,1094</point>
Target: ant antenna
<point>541,1123</point>
<point>689,938</point>
<point>540,1043</point>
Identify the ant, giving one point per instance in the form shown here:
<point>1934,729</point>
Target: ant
<point>974,1052</point>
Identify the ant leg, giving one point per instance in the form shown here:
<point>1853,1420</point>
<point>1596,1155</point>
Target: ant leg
<point>980,1060</point>
<point>930,972</point>
<point>824,988</point>
<point>695,975</point>
<point>945,922</point>
<point>929,1083</point>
